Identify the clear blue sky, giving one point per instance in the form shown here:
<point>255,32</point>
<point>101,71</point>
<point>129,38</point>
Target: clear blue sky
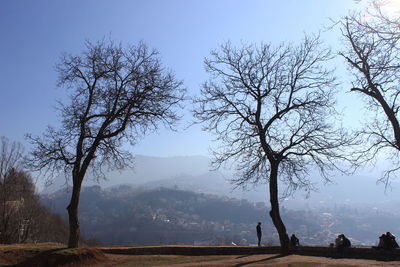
<point>35,33</point>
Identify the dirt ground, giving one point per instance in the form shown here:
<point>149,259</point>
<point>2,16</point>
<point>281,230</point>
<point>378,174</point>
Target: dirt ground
<point>244,260</point>
<point>11,255</point>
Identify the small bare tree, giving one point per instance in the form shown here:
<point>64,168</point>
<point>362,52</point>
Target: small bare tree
<point>371,49</point>
<point>20,206</point>
<point>117,95</point>
<point>272,110</point>
<point>19,203</point>
<point>11,154</point>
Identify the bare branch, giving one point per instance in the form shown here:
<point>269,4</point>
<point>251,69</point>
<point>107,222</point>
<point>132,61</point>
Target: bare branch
<point>371,51</point>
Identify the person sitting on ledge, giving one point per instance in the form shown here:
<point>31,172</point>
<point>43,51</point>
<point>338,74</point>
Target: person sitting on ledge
<point>387,241</point>
<point>381,244</point>
<point>346,242</point>
<point>339,242</point>
<point>294,241</point>
<point>392,240</point>
<point>342,242</point>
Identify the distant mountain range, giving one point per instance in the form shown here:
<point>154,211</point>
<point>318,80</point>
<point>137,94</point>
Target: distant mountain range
<point>194,173</point>
<point>146,169</point>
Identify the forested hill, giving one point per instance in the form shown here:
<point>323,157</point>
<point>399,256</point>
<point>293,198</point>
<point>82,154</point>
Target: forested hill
<point>126,215</point>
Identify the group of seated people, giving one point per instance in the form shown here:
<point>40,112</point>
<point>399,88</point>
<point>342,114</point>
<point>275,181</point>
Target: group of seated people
<point>342,242</point>
<point>387,241</point>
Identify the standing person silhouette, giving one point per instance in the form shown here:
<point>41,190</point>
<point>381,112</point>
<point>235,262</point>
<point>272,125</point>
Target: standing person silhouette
<point>259,233</point>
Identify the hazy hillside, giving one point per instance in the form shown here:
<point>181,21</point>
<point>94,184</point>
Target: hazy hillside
<point>193,173</point>
<point>127,215</point>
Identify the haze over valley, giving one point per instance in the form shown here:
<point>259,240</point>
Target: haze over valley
<point>178,200</point>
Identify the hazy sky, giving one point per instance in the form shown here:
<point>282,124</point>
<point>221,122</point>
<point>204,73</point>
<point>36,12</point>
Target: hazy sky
<point>35,33</point>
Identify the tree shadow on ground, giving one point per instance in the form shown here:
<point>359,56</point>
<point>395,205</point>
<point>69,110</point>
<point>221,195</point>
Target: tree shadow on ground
<point>262,260</point>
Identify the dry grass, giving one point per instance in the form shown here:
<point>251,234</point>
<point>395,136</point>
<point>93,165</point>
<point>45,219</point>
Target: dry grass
<point>16,253</point>
<point>48,254</point>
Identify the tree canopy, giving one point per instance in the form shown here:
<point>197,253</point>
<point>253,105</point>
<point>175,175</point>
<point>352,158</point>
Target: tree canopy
<point>371,49</point>
<point>117,95</point>
<point>272,111</point>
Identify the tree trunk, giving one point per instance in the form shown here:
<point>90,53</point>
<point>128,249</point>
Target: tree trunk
<point>390,113</point>
<point>274,213</point>
<point>74,232</point>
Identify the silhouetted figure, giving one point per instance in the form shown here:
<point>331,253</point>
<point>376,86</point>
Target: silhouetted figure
<point>339,242</point>
<point>346,242</point>
<point>387,241</point>
<point>342,242</point>
<point>381,244</point>
<point>392,240</point>
<point>259,233</point>
<point>294,241</point>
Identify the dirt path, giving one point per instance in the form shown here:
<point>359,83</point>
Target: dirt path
<point>194,256</point>
<point>255,260</point>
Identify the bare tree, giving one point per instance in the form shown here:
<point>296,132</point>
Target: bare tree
<point>11,154</point>
<point>22,217</point>
<point>371,49</point>
<point>117,95</point>
<point>19,207</point>
<point>272,111</point>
